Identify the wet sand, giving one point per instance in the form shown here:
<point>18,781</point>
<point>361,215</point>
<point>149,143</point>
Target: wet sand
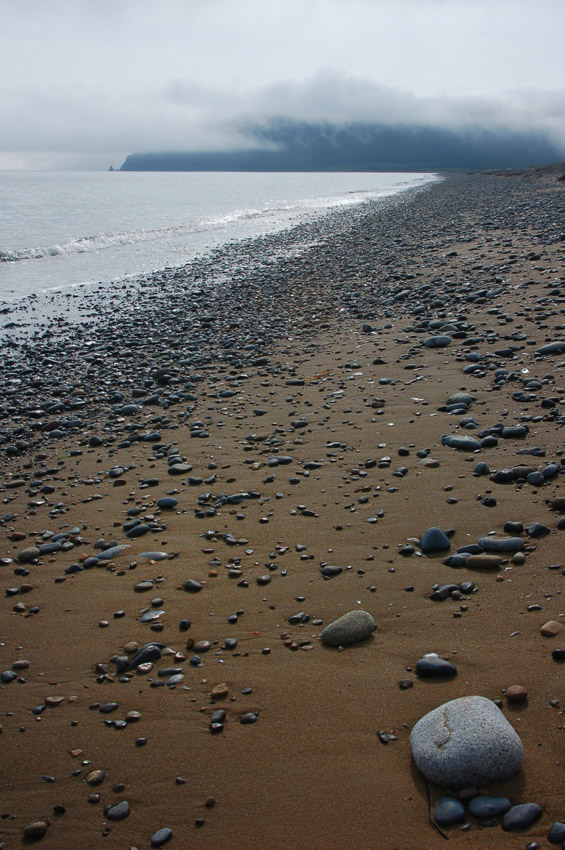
<point>303,382</point>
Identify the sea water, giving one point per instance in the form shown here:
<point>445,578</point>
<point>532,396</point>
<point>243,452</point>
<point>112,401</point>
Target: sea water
<point>65,229</point>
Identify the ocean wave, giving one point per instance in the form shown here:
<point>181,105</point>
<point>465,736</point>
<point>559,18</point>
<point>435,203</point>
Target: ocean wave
<point>104,241</point>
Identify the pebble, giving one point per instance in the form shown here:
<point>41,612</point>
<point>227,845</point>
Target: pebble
<point>95,777</point>
<point>249,718</point>
<point>351,628</point>
<point>118,812</point>
<point>465,742</point>
<point>516,694</point>
<point>220,691</point>
<point>434,540</point>
<point>37,829</point>
<point>557,833</point>
<point>521,817</point>
<point>431,665</point>
<point>448,811</point>
<point>501,544</point>
<point>483,562</point>
<point>25,556</point>
<point>159,838</point>
<point>440,341</point>
<point>489,807</point>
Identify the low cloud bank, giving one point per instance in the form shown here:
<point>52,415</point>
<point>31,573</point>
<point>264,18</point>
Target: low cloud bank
<point>94,127</point>
<point>286,145</point>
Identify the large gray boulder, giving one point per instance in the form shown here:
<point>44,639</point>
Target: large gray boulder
<point>353,627</point>
<point>466,742</point>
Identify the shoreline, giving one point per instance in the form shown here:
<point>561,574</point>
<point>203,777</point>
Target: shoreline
<point>236,255</point>
<point>305,384</point>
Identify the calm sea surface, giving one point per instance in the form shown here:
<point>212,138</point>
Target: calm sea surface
<point>60,229</point>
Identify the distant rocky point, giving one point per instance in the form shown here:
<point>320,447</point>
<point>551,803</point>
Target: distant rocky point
<point>284,145</point>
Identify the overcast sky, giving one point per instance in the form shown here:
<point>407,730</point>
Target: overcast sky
<point>85,82</point>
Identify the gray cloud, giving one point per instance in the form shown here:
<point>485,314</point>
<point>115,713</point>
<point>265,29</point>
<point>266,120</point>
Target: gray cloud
<point>88,82</point>
<point>190,116</point>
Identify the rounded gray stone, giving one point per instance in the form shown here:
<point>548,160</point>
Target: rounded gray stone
<point>461,398</point>
<point>448,811</point>
<point>353,627</point>
<point>464,444</point>
<point>118,812</point>
<point>501,544</point>
<point>434,540</point>
<point>464,742</point>
<point>29,554</point>
<point>521,817</point>
<point>489,807</point>
<point>437,341</point>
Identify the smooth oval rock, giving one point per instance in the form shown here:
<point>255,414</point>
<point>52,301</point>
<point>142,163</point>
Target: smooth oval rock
<point>557,833</point>
<point>551,348</point>
<point>521,817</point>
<point>489,807</point>
<point>501,544</point>
<point>464,444</point>
<point>483,562</point>
<point>516,694</point>
<point>466,742</point>
<point>448,811</point>
<point>159,838</point>
<point>95,777</point>
<point>24,557</point>
<point>118,812</point>
<point>112,552</point>
<point>353,627</point>
<point>37,829</point>
<point>437,341</point>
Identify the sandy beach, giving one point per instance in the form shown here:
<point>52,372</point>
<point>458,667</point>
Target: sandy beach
<point>293,418</point>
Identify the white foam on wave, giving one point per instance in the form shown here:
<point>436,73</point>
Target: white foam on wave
<point>104,241</point>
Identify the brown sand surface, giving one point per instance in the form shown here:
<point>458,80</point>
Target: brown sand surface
<point>312,771</point>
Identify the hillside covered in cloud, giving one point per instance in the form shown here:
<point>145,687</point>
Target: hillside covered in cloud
<point>295,145</point>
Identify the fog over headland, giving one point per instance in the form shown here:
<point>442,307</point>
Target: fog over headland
<point>86,83</point>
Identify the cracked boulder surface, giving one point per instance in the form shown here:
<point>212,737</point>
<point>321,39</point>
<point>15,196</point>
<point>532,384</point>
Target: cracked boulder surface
<point>466,742</point>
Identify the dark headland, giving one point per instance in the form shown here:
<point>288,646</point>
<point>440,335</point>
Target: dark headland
<point>285,145</point>
<point>213,465</point>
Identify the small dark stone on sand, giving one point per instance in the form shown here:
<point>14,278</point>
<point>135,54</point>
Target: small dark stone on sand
<point>434,540</point>
<point>159,838</point>
<point>557,833</point>
<point>118,812</point>
<point>432,665</point>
